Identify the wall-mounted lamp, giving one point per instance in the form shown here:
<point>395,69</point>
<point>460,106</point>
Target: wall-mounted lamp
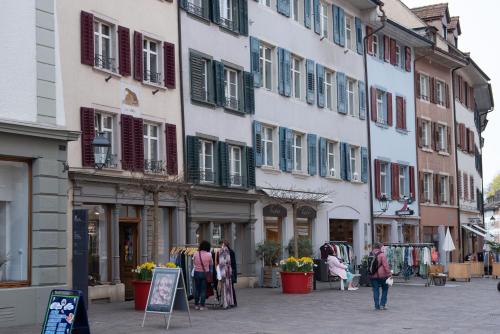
<point>108,78</point>
<point>155,91</point>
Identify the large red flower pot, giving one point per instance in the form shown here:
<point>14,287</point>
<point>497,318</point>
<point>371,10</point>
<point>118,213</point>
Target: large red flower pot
<point>296,282</point>
<point>141,291</point>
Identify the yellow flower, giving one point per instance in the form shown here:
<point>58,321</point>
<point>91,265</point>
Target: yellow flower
<point>171,265</point>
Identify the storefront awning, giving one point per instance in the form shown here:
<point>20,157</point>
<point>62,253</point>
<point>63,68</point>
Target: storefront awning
<point>475,230</point>
<point>297,195</point>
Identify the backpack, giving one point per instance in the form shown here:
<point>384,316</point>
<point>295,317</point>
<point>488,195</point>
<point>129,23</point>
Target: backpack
<point>373,263</point>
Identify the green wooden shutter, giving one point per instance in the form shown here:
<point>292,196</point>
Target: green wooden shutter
<point>257,143</point>
<point>223,170</point>
<point>322,157</point>
<point>364,164</point>
<point>255,61</point>
<point>317,25</point>
<point>220,98</point>
<point>307,13</point>
<point>362,99</point>
<point>250,167</point>
<point>312,154</point>
<point>320,76</point>
<point>243,17</point>
<point>359,35</point>
<point>283,7</point>
<point>336,25</point>
<point>310,81</point>
<point>198,89</point>
<point>215,12</point>
<point>192,157</point>
<point>249,94</point>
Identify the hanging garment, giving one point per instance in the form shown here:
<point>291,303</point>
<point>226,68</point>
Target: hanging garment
<point>226,274</point>
<point>434,255</point>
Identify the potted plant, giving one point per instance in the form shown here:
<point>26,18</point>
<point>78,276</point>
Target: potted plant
<point>144,274</point>
<point>297,275</point>
<point>304,247</point>
<point>269,253</point>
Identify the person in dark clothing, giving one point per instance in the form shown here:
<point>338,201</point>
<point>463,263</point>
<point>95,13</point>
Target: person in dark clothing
<point>234,270</point>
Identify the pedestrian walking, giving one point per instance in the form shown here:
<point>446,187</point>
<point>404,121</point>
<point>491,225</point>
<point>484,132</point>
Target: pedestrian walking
<point>202,260</point>
<point>379,271</point>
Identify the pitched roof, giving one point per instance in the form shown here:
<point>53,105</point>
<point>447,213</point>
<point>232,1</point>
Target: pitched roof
<point>431,12</point>
<point>455,24</point>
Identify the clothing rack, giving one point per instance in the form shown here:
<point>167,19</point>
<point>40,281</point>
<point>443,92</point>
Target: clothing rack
<point>412,244</point>
<point>405,270</point>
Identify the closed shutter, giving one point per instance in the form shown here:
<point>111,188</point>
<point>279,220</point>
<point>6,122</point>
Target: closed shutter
<point>373,95</point>
<point>399,112</point>
<point>215,13</point>
<point>281,71</point>
<point>250,167</point>
<point>127,137</point>
<point>196,66</point>
<point>138,144</point>
<point>87,124</point>
<point>249,94</point>
<point>224,172</point>
<point>407,59</point>
<point>138,60</point>
<point>417,85</point>
<point>312,154</point>
<point>395,181</point>
<point>387,48</point>
<point>394,60</point>
<point>343,161</point>
<point>432,83</point>
<point>389,109</point>
<point>459,184</point>
<point>376,177</point>
<point>452,190</point>
<point>341,93</point>
<point>243,17</point>
<point>322,157</point>
<point>124,65</point>
<point>465,178</point>
<point>336,24</point>
<point>255,61</point>
<point>362,99</point>
<point>171,148</point>
<point>257,143</point>
<point>192,159</point>
<point>320,76</point>
<point>448,139</point>
<point>404,115</point>
<point>169,64</point>
<point>434,142</point>
<point>347,161</point>
<point>289,150</point>
<point>369,40</point>
<point>364,164</point>
<point>342,26</point>
<point>307,13</point>
<point>411,172</point>
<point>284,72</point>
<point>87,38</point>
<point>317,26</point>
<point>310,81</point>
<point>283,7</point>
<point>282,148</point>
<point>437,190</point>
<point>220,95</point>
<point>359,35</point>
<point>421,187</point>
<point>447,95</point>
<point>419,132</point>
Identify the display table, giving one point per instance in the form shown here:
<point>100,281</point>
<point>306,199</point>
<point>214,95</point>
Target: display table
<point>476,268</point>
<point>496,270</point>
<point>459,271</point>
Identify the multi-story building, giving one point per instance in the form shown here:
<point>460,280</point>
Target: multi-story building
<point>33,154</point>
<point>309,129</point>
<point>121,91</point>
<point>492,216</point>
<point>390,66</point>
<point>218,102</point>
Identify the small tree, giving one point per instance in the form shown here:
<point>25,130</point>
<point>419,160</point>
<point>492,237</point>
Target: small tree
<point>494,185</point>
<point>269,252</point>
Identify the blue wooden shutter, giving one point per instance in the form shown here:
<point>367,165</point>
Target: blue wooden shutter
<point>342,27</point>
<point>362,99</point>
<point>250,164</point>
<point>311,153</point>
<point>249,94</point>
<point>359,35</point>
<point>343,162</point>
<point>282,148</point>
<point>243,17</point>
<point>257,143</point>
<point>317,26</point>
<point>347,152</point>
<point>255,61</point>
<point>336,24</point>
<point>289,150</point>
<point>223,150</point>
<point>220,97</point>
<point>281,70</point>
<point>341,93</point>
<point>310,81</point>
<point>192,157</point>
<point>364,164</point>
<point>307,13</point>
<point>287,72</point>
<point>215,12</point>
<point>320,75</point>
<point>322,157</point>
<point>283,7</point>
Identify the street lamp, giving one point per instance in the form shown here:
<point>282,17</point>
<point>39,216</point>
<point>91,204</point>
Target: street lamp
<point>384,203</point>
<point>101,145</point>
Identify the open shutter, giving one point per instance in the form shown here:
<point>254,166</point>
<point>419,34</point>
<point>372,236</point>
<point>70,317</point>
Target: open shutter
<point>250,167</point>
<point>394,60</point>
<point>283,7</point>
<point>364,164</point>
<point>317,25</point>
<point>197,80</point>
<point>312,154</point>
<point>224,174</point>
<point>459,184</point>
<point>362,99</point>
<point>359,35</point>
<point>403,113</point>
<point>432,82</point>
<point>87,38</point>
<point>389,109</point>
<point>342,27</point>
<point>343,161</point>
<point>369,40</point>
<point>466,186</point>
<point>282,148</point>
<point>215,13</point>
<point>249,93</point>
<point>287,72</point>
<point>289,150</point>
<point>255,61</point>
<point>452,190</point>
<point>257,143</point>
<point>447,95</point>
<point>171,147</point>
<point>87,123</point>
<point>138,60</point>
<point>127,137</point>
<point>320,76</point>
<point>437,190</point>
<point>243,17</point>
<point>417,85</point>
<point>220,97</point>
<point>310,81</point>
<point>281,71</point>
<point>124,65</point>
<point>193,160</point>
<point>169,64</point>
<point>138,144</point>
<point>407,59</point>
<point>376,177</point>
<point>399,112</point>
<point>411,172</point>
<point>472,188</point>
<point>347,161</point>
<point>322,157</point>
<point>336,24</point>
<point>448,139</point>
<point>307,13</point>
<point>395,181</point>
<point>419,132</point>
<point>341,93</point>
<point>421,187</point>
<point>373,107</point>
<point>387,48</point>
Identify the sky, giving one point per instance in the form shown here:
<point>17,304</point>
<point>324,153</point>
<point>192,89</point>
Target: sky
<point>480,29</point>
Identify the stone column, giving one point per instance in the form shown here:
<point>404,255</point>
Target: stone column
<point>250,245</point>
<point>144,234</point>
<point>180,220</point>
<point>115,244</point>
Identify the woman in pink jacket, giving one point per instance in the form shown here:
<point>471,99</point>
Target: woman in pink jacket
<point>338,268</point>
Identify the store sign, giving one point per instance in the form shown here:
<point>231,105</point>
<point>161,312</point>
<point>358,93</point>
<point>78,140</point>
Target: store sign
<point>65,313</point>
<point>130,99</point>
<point>306,212</point>
<point>274,210</point>
<point>405,211</point>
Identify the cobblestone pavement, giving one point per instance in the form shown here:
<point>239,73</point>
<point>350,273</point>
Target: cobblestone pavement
<point>458,307</point>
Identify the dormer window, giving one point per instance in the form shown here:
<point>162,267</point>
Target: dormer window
<point>445,31</point>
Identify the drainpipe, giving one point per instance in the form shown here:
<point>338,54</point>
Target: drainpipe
<point>383,18</point>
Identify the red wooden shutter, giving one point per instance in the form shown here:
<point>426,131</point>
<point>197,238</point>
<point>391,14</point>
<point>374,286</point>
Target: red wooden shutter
<point>467,140</point>
<point>369,41</point>
<point>459,184</point>
<point>169,62</point>
<point>389,109</point>
<point>419,133</point>
<point>377,179</point>
<point>138,144</point>
<point>417,85</point>
<point>421,187</point>
<point>457,135</point>
<point>404,113</point>
<point>373,93</point>
<point>399,112</point>
<point>124,51</point>
<point>394,60</point>
<point>447,95</point>
<point>432,84</point>
<point>87,123</point>
<point>138,60</point>
<point>171,146</point>
<point>407,59</point>
<point>395,181</point>
<point>433,136</point>
<point>472,142</point>
<point>448,139</point>
<point>437,190</point>
<point>127,134</point>
<point>463,137</point>
<point>387,49</point>
<point>452,190</point>
<point>87,38</point>
<point>411,171</point>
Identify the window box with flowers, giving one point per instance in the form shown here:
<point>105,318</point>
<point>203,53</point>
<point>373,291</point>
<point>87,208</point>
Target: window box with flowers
<point>144,274</point>
<point>297,275</point>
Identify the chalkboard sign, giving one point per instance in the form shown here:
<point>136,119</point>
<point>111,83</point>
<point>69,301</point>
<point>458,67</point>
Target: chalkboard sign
<point>80,252</point>
<point>65,313</point>
<point>167,293</point>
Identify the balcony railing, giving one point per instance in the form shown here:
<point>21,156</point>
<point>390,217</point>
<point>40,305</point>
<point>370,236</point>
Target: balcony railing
<point>207,176</point>
<point>152,77</point>
<point>105,63</point>
<point>226,23</point>
<point>235,180</point>
<point>154,166</point>
<point>194,9</point>
<point>232,103</point>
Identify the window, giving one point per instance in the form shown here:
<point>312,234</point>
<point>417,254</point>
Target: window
<point>331,154</point>
<point>297,151</point>
<point>204,81</point>
<point>375,44</point>
<point>150,59</point>
<point>427,187</point>
<point>440,93</point>
<point>349,35</point>
<point>272,229</point>
<point>443,186</point>
<point>266,66</point>
<point>206,158</point>
<point>424,87</point>
<point>329,89</point>
<point>235,165</point>
<point>350,97</point>
<point>195,7</point>
<point>384,178</point>
<point>380,107</point>
<point>403,181</point>
<point>296,77</point>
<point>353,163</point>
<point>14,221</point>
<point>151,148</point>
<point>267,146</point>
<point>103,44</point>
<point>226,13</point>
<point>399,61</point>
<point>304,230</point>
<point>442,143</point>
<point>231,88</point>
<point>104,124</point>
<point>323,14</point>
<point>445,32</point>
<point>98,241</point>
<point>266,2</point>
<point>425,133</point>
<point>295,10</point>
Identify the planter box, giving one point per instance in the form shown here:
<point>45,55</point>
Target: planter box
<point>270,277</point>
<point>141,291</point>
<point>476,269</point>
<point>496,270</point>
<point>459,271</point>
<point>297,283</point>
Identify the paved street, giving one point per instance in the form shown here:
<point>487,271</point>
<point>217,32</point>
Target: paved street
<point>456,308</point>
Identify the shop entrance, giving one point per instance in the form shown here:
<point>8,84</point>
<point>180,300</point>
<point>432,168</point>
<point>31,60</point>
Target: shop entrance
<point>342,230</point>
<point>128,256</point>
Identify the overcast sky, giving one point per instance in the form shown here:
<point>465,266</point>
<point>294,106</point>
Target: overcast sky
<point>480,29</point>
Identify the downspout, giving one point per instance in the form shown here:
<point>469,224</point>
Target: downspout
<point>383,18</point>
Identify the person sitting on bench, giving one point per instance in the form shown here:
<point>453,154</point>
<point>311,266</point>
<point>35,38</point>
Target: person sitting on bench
<point>336,267</point>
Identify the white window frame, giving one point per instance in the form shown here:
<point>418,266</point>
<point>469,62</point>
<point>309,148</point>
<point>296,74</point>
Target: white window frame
<point>350,36</point>
<point>331,158</point>
<point>381,106</point>
<point>375,45</point>
<point>265,2</point>
<point>440,93</point>
<point>444,187</point>
<point>443,145</point>
<point>427,187</point>
<point>298,148</point>
<point>109,132</point>
<point>268,141</point>
<point>353,163</point>
<point>403,181</point>
<point>295,10</point>
<point>296,77</point>
<point>264,62</point>
<point>226,9</point>
<point>150,138</point>
<point>351,101</point>
<point>205,77</point>
<point>203,168</point>
<point>424,87</point>
<point>231,80</point>
<point>323,14</point>
<point>399,61</point>
<point>147,53</point>
<point>425,133</point>
<point>99,36</point>
<point>328,82</point>
<point>235,166</point>
<point>384,177</point>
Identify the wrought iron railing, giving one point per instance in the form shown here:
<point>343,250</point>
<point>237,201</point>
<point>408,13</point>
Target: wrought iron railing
<point>232,103</point>
<point>226,23</point>
<point>236,180</point>
<point>105,63</point>
<point>194,9</point>
<point>153,77</point>
<point>154,166</point>
<point>207,176</point>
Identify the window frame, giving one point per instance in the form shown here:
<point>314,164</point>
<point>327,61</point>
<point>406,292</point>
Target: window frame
<point>265,142</point>
<point>381,107</point>
<point>427,184</point>
<point>98,115</point>
<point>232,102</point>
<point>350,42</point>
<point>232,162</point>
<point>424,87</point>
<point>149,138</point>
<point>403,181</point>
<point>296,82</point>
<point>202,154</point>
<point>297,158</point>
<point>444,193</point>
<point>148,76</point>
<point>331,154</point>
<point>442,136</point>
<point>384,178</point>
<point>375,45</point>
<point>399,61</point>
<point>351,110</point>
<point>100,63</point>
<point>440,93</point>
<point>264,62</point>
<point>323,22</point>
<point>328,89</point>
<point>295,10</point>
<point>425,133</point>
<point>354,161</point>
